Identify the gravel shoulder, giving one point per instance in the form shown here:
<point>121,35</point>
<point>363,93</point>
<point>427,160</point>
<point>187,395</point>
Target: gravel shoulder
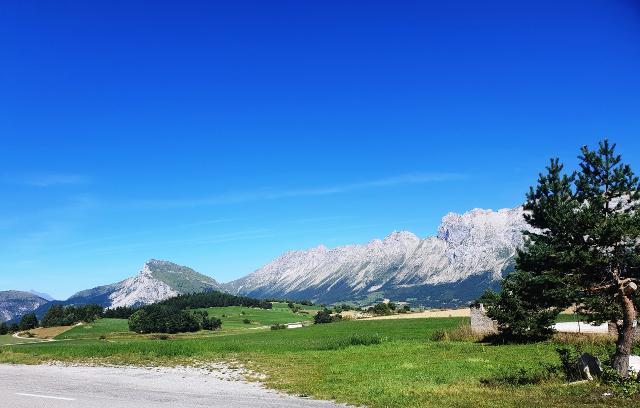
<point>124,387</point>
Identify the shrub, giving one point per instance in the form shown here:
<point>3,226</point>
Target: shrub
<point>246,321</point>
<point>461,333</point>
<point>325,316</point>
<point>382,309</point>
<point>211,324</point>
<point>440,335</point>
<point>278,326</point>
<point>620,386</point>
<point>569,365</point>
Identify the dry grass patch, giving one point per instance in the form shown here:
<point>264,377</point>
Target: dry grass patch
<point>47,333</point>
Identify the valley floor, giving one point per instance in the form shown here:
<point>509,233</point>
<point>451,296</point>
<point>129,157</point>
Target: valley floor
<point>374,363</point>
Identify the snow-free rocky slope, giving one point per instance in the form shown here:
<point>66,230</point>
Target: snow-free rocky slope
<point>471,252</point>
<point>14,304</point>
<point>158,280</point>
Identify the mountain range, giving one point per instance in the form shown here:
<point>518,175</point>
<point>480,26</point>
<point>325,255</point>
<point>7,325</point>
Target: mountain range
<point>14,303</point>
<point>471,252</point>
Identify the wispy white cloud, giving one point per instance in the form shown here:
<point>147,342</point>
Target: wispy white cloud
<point>271,194</point>
<point>50,179</point>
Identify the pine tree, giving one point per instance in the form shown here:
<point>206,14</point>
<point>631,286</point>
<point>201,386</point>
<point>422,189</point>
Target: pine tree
<point>583,248</point>
<point>28,322</point>
<point>606,244</point>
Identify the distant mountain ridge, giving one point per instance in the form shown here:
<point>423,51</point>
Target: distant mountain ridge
<point>14,304</point>
<point>471,252</point>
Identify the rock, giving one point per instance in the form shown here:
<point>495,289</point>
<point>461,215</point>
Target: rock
<point>634,365</point>
<point>589,366</point>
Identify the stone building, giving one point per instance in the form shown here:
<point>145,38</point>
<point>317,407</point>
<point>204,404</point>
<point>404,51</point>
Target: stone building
<point>480,322</point>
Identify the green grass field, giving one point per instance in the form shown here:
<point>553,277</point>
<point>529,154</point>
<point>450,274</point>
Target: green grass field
<point>393,364</point>
<point>233,316</point>
<point>101,327</point>
<point>7,339</point>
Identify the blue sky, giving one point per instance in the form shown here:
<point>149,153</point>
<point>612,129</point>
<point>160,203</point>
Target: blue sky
<point>220,134</point>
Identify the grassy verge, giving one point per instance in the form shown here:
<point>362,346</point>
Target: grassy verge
<point>388,363</point>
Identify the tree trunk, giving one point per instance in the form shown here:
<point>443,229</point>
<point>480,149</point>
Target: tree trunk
<point>626,332</point>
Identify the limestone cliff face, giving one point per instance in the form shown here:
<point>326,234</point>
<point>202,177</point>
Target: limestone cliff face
<point>470,252</point>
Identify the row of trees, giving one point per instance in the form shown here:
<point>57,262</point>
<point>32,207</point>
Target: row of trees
<point>583,248</point>
<point>161,318</point>
<point>213,299</point>
<point>59,315</point>
<point>120,312</point>
<point>8,328</point>
<point>27,322</point>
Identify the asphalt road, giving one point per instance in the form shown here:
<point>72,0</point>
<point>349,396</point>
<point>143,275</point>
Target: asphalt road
<point>45,386</point>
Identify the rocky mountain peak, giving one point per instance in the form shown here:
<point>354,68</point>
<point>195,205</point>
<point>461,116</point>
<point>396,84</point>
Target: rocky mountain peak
<point>478,245</point>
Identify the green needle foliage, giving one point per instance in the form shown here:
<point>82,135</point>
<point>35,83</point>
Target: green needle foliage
<point>583,247</point>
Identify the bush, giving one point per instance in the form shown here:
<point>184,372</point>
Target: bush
<point>211,324</point>
<point>206,323</point>
<point>278,326</point>
<point>462,333</point>
<point>404,309</point>
<point>569,362</point>
<point>324,316</point>
<point>246,321</point>
<point>383,309</point>
<point>4,328</point>
<point>619,386</point>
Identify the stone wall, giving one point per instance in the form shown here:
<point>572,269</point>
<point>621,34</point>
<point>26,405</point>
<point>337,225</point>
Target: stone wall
<point>480,322</point>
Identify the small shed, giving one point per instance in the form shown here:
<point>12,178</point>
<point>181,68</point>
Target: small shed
<point>480,322</point>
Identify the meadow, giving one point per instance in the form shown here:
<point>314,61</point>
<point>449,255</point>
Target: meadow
<point>383,363</point>
<point>233,317</point>
<point>7,339</point>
